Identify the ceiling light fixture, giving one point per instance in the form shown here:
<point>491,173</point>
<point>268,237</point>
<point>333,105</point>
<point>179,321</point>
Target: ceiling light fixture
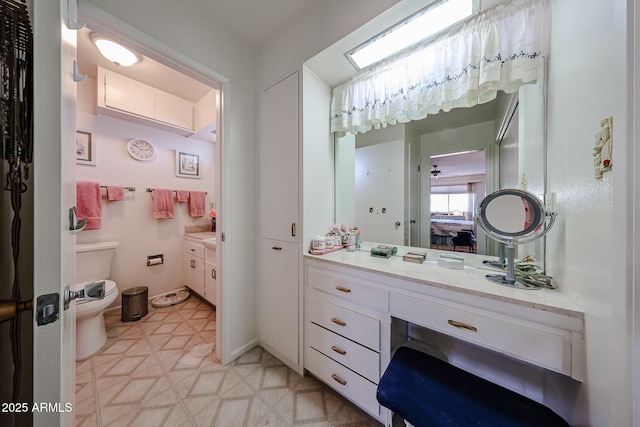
<point>417,28</point>
<point>435,172</point>
<point>115,52</point>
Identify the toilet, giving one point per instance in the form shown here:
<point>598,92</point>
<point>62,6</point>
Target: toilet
<point>93,263</point>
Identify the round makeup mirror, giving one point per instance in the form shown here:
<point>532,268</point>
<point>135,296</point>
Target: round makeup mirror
<point>513,216</point>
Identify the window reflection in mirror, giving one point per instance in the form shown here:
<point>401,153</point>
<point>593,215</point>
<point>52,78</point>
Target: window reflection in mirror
<point>378,170</point>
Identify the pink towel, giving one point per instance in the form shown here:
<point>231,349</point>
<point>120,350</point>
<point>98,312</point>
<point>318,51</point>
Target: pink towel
<point>89,203</point>
<point>162,203</point>
<point>196,203</point>
<point>115,193</point>
<point>182,196</point>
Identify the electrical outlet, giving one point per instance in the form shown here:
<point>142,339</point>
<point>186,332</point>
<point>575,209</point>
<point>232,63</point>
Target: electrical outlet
<point>212,205</point>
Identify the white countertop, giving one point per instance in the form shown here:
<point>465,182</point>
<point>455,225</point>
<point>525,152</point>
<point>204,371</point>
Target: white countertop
<point>207,238</point>
<point>471,280</point>
<point>200,235</point>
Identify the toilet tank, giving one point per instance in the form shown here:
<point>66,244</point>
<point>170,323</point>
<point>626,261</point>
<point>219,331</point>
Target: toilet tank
<point>93,260</point>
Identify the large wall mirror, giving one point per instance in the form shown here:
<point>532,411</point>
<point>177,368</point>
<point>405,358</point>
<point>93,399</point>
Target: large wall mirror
<point>420,183</point>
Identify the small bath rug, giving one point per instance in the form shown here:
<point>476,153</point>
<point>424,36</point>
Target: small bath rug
<point>197,353</point>
<point>170,299</point>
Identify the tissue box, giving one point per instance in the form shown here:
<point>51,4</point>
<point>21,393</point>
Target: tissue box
<point>452,262</point>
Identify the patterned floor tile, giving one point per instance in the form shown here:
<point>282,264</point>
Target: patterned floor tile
<point>141,377</point>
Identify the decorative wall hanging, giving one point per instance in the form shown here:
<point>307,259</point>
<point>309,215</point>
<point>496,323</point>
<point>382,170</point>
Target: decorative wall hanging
<point>187,165</point>
<point>16,121</point>
<point>603,150</point>
<point>85,148</point>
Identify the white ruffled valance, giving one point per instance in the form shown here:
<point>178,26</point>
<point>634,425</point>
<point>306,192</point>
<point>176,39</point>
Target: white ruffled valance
<point>498,50</point>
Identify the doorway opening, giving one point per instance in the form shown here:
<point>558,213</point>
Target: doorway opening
<point>178,111</point>
<point>458,182</point>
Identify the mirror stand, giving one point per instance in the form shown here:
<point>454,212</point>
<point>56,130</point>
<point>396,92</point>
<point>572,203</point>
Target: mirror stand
<point>512,217</point>
<point>497,264</point>
<point>510,278</point>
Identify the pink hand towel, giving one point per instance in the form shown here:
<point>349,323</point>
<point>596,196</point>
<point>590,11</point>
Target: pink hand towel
<point>89,203</point>
<point>162,203</point>
<point>196,203</point>
<point>182,195</point>
<point>115,193</point>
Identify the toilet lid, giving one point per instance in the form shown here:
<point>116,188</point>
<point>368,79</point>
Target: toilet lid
<point>110,287</point>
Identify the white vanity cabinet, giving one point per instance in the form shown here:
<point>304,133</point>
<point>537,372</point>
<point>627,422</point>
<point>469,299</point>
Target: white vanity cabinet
<point>193,266</point>
<point>199,271</point>
<point>210,275</point>
<point>351,299</point>
<point>346,334</point>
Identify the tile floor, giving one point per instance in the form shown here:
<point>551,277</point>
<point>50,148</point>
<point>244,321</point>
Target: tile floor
<point>137,379</point>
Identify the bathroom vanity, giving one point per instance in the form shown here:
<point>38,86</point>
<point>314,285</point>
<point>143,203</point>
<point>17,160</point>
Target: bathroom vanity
<point>351,299</point>
<point>199,264</point>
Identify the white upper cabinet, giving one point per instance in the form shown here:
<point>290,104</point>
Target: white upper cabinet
<point>278,151</point>
<point>129,99</point>
<point>174,110</point>
<point>127,95</point>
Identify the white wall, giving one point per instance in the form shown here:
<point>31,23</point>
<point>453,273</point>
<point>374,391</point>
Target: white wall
<point>317,28</point>
<point>130,221</point>
<point>379,202</point>
<point>191,38</point>
<point>318,156</point>
<point>586,249</point>
<point>345,179</point>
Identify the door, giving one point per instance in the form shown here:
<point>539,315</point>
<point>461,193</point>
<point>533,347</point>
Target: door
<point>278,316</point>
<point>54,186</point>
<point>278,124</point>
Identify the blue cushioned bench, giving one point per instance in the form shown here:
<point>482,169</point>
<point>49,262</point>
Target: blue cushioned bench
<point>427,391</point>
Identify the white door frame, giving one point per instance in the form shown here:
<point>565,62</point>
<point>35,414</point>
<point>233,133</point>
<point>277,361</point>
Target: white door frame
<point>108,25</point>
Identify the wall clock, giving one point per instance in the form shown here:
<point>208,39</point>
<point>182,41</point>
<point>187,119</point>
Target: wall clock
<point>140,149</point>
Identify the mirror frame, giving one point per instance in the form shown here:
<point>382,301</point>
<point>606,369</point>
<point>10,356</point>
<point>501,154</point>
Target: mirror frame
<point>506,236</point>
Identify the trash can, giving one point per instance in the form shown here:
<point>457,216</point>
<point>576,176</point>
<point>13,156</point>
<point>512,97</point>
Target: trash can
<point>134,303</point>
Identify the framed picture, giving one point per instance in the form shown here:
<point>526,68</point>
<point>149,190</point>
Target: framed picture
<point>85,148</point>
<point>187,165</point>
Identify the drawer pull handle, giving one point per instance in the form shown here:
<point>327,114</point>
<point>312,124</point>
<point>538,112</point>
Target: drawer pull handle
<point>338,350</point>
<point>343,289</point>
<point>338,379</point>
<point>338,321</point>
<point>461,325</point>
<point>276,248</point>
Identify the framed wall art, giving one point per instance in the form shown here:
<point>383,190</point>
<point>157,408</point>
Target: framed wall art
<point>85,148</point>
<point>187,165</point>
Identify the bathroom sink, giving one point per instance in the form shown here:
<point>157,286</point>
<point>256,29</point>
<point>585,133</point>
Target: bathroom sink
<point>210,243</point>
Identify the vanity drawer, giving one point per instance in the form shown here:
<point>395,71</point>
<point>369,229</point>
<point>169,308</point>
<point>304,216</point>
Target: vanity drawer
<point>195,249</point>
<point>349,288</point>
<point>355,326</point>
<point>354,356</point>
<point>548,348</point>
<point>351,385</point>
